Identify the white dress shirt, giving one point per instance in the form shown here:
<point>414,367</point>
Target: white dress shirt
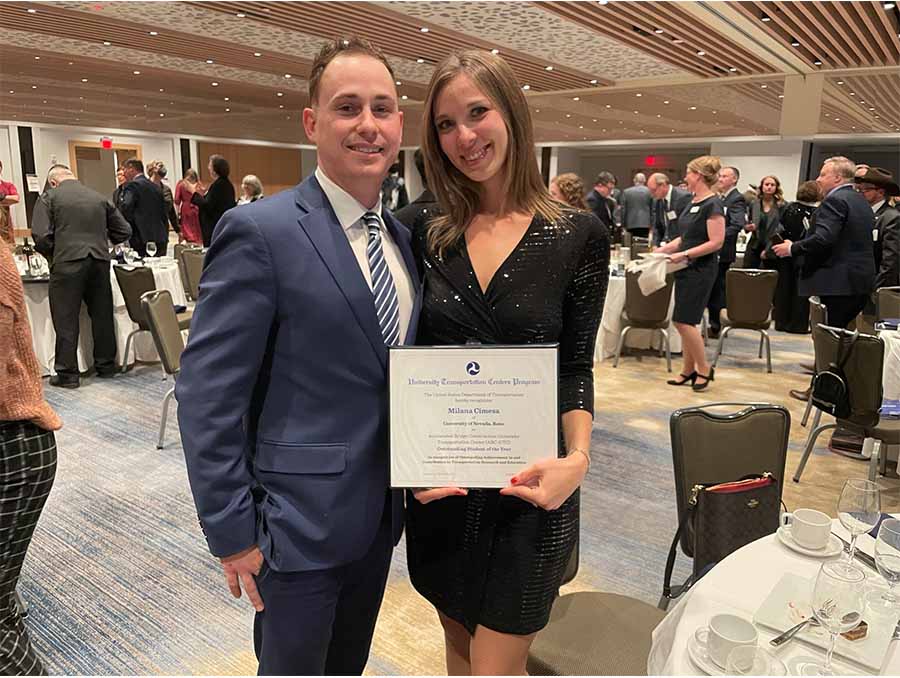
<point>349,212</point>
<point>877,205</point>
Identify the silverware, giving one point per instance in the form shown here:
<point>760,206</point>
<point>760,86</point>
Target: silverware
<point>864,558</point>
<point>777,641</point>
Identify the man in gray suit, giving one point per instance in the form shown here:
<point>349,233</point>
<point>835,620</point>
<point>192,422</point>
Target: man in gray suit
<point>76,224</point>
<point>637,204</point>
<point>668,203</point>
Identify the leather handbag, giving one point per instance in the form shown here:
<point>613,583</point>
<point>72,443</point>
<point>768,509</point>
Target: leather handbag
<point>830,392</point>
<point>723,517</point>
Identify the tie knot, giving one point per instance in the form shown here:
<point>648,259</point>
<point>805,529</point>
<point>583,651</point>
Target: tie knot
<point>372,222</point>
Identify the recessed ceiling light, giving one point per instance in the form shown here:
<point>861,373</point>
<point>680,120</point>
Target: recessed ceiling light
<point>215,84</point>
<point>795,42</point>
<point>602,2</point>
<point>162,115</point>
<point>765,18</point>
<point>576,98</point>
<point>548,68</point>
<point>227,99</point>
<point>398,83</point>
<point>666,101</point>
<point>580,126</point>
<point>404,97</point>
<point>871,109</point>
<point>568,115</point>
<point>840,82</point>
<point>288,75</point>
<point>495,51</point>
<point>715,112</point>
<point>423,29</point>
<point>642,131</point>
<point>853,94</point>
<point>257,54</point>
<point>107,43</point>
<point>38,58</point>
<point>209,61</point>
<point>153,33</point>
<point>593,82</point>
<point>659,31</point>
<point>677,41</point>
<point>161,89</point>
<point>281,106</point>
<point>700,52</point>
<point>420,61</point>
<point>45,101</point>
<point>240,15</point>
<point>732,69</point>
<point>34,87</point>
<point>763,86</point>
<point>636,113</point>
<point>817,62</point>
<point>608,106</point>
<point>279,94</point>
<point>136,72</point>
<point>595,119</point>
<point>887,5</point>
<point>693,108</point>
<point>837,119</point>
<point>227,110</point>
<point>781,96</point>
<point>526,87</point>
<point>84,80</point>
<point>12,91</point>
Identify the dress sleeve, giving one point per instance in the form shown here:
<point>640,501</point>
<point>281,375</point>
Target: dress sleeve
<point>582,310</point>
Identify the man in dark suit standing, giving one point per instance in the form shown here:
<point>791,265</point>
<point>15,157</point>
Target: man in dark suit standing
<point>417,213</point>
<point>877,186</point>
<point>143,206</point>
<point>637,205</point>
<point>735,220</point>
<point>668,202</point>
<point>838,265</point>
<point>79,222</point>
<point>283,383</point>
<point>600,200</point>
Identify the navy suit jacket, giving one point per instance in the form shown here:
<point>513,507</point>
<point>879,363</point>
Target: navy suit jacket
<point>283,397</point>
<point>735,220</point>
<point>837,249</point>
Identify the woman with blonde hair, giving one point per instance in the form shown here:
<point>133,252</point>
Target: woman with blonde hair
<point>504,264</point>
<point>251,190</point>
<point>702,229</point>
<point>568,188</point>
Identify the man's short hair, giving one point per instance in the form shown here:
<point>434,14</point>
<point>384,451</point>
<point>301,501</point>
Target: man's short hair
<point>335,48</point>
<point>135,164</point>
<point>737,172</point>
<point>605,178</point>
<point>640,179</point>
<point>843,167</point>
<point>220,165</point>
<point>659,178</point>
<point>57,170</point>
<point>419,159</point>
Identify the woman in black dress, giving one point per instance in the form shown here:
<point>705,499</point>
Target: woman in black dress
<point>764,221</point>
<point>791,311</point>
<point>702,229</point>
<point>505,264</point>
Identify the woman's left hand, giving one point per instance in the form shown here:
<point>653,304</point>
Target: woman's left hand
<point>547,483</point>
<point>678,257</point>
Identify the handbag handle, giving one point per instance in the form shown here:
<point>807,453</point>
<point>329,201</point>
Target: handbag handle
<point>670,560</point>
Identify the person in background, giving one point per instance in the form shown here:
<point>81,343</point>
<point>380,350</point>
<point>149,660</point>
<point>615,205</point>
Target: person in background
<point>27,461</point>
<point>764,223</point>
<point>791,309</point>
<point>417,213</point>
<point>80,223</point>
<point>838,265</point>
<point>702,232</point>
<point>157,172</point>
<point>393,190</point>
<point>637,206</point>
<point>601,202</point>
<point>188,212</point>
<point>144,207</point>
<point>878,187</point>
<point>120,188</point>
<point>251,190</point>
<point>568,189</point>
<point>219,198</point>
<point>668,203</point>
<point>9,195</point>
<point>683,185</point>
<point>735,220</point>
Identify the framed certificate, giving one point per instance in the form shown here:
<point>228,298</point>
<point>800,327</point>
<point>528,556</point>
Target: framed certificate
<point>471,416</point>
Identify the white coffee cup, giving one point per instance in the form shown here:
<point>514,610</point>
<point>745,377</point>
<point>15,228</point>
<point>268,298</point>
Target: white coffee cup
<point>809,528</point>
<point>726,632</point>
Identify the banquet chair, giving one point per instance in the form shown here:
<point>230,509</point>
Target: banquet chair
<point>709,446</point>
<point>571,646</point>
<point>193,267</point>
<point>749,294</point>
<point>887,303</point>
<point>166,331</point>
<point>818,315</point>
<point>647,313</point>
<point>639,246</point>
<point>182,272</point>
<point>134,283</point>
<point>864,373</point>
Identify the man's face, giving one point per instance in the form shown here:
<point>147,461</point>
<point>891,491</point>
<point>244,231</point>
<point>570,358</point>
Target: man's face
<point>605,189</point>
<point>871,193</point>
<point>658,189</point>
<point>727,180</point>
<point>120,177</point>
<point>828,178</point>
<point>129,172</point>
<point>356,123</point>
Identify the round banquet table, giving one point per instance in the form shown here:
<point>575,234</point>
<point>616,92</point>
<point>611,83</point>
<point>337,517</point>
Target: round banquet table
<point>611,325</point>
<point>739,585</point>
<point>37,304</point>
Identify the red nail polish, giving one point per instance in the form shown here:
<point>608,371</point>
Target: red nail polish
<point>514,480</point>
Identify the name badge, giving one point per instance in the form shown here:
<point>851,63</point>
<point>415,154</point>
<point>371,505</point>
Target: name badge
<point>874,235</point>
<point>671,214</point>
<point>695,209</point>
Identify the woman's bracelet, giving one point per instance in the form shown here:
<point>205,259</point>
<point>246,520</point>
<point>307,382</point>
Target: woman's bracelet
<point>586,453</point>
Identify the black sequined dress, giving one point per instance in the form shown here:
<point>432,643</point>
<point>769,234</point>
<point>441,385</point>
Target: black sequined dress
<point>484,558</point>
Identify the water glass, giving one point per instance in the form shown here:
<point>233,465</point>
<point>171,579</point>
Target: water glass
<point>887,560</point>
<point>151,249</point>
<point>752,660</point>
<point>837,604</point>
<point>859,509</point>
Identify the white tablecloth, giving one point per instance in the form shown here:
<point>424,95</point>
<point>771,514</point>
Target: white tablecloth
<point>891,380</point>
<point>37,303</point>
<point>739,585</point>
<point>611,326</point>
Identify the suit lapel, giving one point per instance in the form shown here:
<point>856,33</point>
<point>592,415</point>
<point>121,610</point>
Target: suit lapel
<point>324,231</point>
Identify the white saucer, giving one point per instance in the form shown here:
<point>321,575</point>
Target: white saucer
<point>833,548</point>
<point>700,656</point>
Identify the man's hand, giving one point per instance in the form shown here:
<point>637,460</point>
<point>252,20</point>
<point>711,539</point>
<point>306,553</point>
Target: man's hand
<point>783,249</point>
<point>240,568</point>
<point>750,226</point>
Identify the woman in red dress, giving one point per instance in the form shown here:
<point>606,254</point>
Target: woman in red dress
<point>189,212</point>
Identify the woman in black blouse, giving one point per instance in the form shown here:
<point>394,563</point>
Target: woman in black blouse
<point>764,222</point>
<point>219,196</point>
<point>702,229</point>
<point>791,311</point>
<point>506,264</point>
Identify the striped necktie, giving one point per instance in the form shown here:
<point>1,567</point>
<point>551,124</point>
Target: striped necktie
<point>386,305</point>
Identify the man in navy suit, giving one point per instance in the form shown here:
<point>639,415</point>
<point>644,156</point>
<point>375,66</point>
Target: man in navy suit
<point>283,391</point>
<point>735,220</point>
<point>668,203</point>
<point>838,265</point>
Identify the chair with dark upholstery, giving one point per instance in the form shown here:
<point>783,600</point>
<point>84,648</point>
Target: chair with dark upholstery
<point>639,246</point>
<point>713,446</point>
<point>864,370</point>
<point>182,272</point>
<point>749,293</point>
<point>166,331</point>
<point>647,313</point>
<point>887,303</point>
<point>134,282</point>
<point>193,268</point>
<point>818,315</point>
<point>571,646</point>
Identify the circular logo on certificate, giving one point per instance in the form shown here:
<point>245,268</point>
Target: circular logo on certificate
<point>473,368</point>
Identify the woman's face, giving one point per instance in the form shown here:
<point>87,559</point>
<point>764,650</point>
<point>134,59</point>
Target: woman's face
<point>555,192</point>
<point>769,186</point>
<point>247,190</point>
<point>692,179</point>
<point>471,130</point>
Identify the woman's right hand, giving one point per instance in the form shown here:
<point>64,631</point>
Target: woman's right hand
<point>750,226</point>
<point>426,495</point>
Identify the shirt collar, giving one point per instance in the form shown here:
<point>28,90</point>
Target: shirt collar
<point>346,208</point>
<point>877,205</point>
<point>669,195</point>
<point>837,188</point>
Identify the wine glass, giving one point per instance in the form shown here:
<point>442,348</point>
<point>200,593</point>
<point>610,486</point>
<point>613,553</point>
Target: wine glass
<point>753,660</point>
<point>151,249</point>
<point>837,604</point>
<point>859,509</point>
<point>887,560</point>
<point>129,255</point>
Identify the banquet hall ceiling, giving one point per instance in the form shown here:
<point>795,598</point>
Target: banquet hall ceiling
<point>593,70</point>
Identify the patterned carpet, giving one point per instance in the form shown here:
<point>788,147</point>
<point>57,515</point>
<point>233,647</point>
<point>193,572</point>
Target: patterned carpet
<point>119,581</point>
